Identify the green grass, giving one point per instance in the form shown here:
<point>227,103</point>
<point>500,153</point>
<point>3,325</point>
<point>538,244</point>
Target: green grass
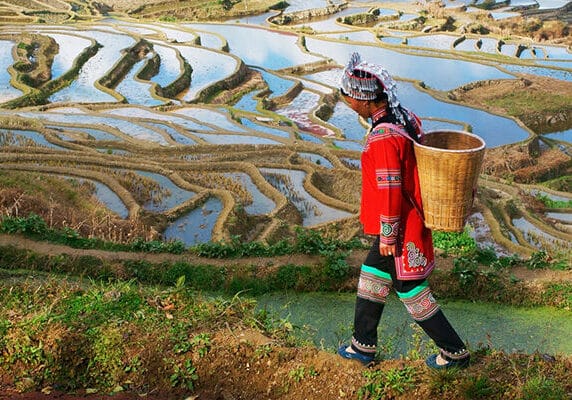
<point>550,203</point>
<point>522,103</point>
<point>52,325</point>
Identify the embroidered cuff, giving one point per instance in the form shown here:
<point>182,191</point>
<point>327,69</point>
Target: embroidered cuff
<point>389,230</point>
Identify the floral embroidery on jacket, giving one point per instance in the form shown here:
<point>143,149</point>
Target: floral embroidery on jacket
<point>414,257</point>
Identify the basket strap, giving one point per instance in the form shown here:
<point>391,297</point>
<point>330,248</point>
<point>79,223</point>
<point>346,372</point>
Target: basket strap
<point>393,128</point>
<point>419,212</point>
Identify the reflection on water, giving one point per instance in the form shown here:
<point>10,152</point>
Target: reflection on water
<point>261,204</point>
<point>317,159</point>
<point>173,133</point>
<point>291,184</point>
<point>309,138</point>
<point>83,87</point>
<point>208,67</point>
<point>437,41</point>
<point>300,5</point>
<point>137,112</point>
<point>345,119</point>
<point>437,73</point>
<point>488,45</point>
<point>70,47</point>
<point>330,24</point>
<point>108,197</point>
<point>211,41</point>
<point>565,136</point>
<point>435,124</point>
<point>220,138</point>
<point>196,226</point>
<point>481,232</point>
<point>172,195</point>
<point>259,127</point>
<point>255,20</point>
<point>537,237</point>
<point>259,47</point>
<point>7,92</point>
<point>483,124</point>
<point>174,33</point>
<point>467,45</point>
<point>13,137</point>
<point>352,163</point>
<point>92,134</point>
<point>541,71</point>
<point>299,111</point>
<point>247,102</point>
<point>479,324</point>
<point>277,84</point>
<point>127,127</point>
<point>561,216</point>
<point>136,91</point>
<point>170,68</point>
<point>209,116</point>
<point>348,145</point>
<point>354,36</point>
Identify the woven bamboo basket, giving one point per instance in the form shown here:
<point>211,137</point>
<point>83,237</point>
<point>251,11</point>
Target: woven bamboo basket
<point>449,164</point>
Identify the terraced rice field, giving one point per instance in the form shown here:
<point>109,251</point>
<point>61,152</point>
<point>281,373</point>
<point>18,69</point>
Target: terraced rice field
<point>214,122</point>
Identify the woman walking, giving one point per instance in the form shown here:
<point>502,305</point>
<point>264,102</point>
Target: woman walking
<point>401,256</point>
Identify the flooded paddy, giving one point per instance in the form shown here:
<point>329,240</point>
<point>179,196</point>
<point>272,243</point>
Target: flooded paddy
<point>69,47</point>
<point>291,184</point>
<point>260,204</point>
<point>512,329</point>
<point>167,195</point>
<point>7,92</point>
<point>196,226</point>
<point>23,138</point>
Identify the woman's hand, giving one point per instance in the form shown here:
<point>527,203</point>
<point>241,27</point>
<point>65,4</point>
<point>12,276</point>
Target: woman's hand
<point>387,249</point>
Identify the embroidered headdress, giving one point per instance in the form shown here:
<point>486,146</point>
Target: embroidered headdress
<point>364,81</point>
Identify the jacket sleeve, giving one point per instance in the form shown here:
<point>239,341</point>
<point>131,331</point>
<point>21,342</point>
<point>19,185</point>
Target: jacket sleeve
<point>388,177</point>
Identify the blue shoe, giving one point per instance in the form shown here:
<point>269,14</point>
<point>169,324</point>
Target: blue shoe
<point>431,362</point>
<point>365,360</point>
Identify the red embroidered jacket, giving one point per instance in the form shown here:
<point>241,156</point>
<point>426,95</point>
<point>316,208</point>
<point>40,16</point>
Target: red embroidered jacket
<point>391,200</point>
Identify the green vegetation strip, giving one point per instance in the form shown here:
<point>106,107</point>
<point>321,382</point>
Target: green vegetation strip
<point>477,274</point>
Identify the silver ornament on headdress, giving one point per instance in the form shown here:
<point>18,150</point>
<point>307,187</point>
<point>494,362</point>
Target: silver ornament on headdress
<point>362,87</point>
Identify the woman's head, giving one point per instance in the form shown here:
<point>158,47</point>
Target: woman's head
<point>369,83</point>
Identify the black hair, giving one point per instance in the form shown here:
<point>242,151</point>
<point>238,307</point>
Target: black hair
<point>381,95</point>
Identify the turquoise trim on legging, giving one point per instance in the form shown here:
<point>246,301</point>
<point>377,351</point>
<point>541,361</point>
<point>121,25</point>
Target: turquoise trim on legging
<point>413,292</point>
<point>376,272</point>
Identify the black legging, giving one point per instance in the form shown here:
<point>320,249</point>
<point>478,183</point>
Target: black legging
<point>368,313</point>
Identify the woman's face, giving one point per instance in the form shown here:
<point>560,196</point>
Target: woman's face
<point>362,107</point>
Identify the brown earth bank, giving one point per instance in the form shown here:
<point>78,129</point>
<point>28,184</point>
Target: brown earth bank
<point>531,88</point>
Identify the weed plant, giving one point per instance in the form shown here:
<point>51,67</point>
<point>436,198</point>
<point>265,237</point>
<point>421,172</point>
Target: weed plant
<point>550,203</point>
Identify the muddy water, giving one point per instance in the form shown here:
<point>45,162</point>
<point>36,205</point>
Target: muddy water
<point>326,320</point>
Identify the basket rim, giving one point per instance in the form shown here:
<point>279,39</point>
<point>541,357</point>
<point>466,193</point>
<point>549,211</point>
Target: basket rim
<point>475,149</point>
